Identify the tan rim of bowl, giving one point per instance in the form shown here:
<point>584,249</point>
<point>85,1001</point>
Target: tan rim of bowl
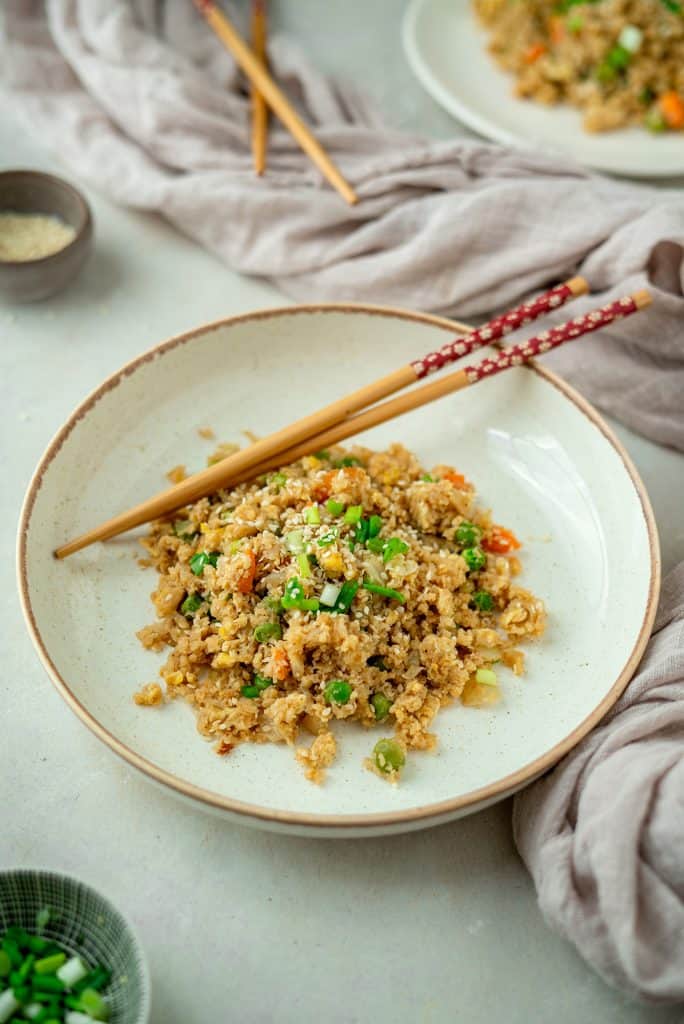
<point>411,817</point>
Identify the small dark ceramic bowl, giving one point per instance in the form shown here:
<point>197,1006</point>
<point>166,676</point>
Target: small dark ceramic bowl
<point>35,192</point>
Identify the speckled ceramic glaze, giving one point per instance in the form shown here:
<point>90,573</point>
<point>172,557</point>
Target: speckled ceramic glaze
<point>85,924</point>
<point>539,456</point>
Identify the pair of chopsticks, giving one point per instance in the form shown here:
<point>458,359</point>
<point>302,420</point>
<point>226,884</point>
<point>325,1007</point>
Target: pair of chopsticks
<point>357,412</point>
<point>265,92</point>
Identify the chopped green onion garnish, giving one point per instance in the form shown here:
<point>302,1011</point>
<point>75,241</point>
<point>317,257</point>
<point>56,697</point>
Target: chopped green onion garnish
<point>375,588</point>
<point>191,603</point>
<point>11,947</point>
<point>376,545</point>
<point>393,547</point>
<point>94,1005</point>
<point>202,558</point>
<point>427,479</point>
<point>328,538</point>
<point>353,514</point>
<point>381,705</point>
<point>47,982</point>
<point>347,595</point>
<point>575,24</point>
<point>618,57</point>
<point>184,529</point>
<point>486,677</point>
<point>348,460</point>
<point>278,480</point>
<point>335,508</point>
<point>467,534</point>
<point>8,1005</point>
<point>654,121</point>
<point>330,594</point>
<point>272,603</point>
<point>50,964</point>
<point>304,567</point>
<point>388,756</point>
<point>294,541</point>
<point>337,691</point>
<point>323,454</point>
<point>294,597</point>
<point>5,964</point>
<point>312,516</point>
<point>374,526</point>
<point>73,971</point>
<point>475,558</point>
<point>268,631</point>
<point>482,600</point>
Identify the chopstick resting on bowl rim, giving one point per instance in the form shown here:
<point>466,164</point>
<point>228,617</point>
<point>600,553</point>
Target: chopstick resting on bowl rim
<point>259,77</point>
<point>513,355</point>
<point>247,461</point>
<point>259,108</point>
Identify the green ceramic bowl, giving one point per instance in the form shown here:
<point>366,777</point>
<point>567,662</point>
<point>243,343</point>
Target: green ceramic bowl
<point>86,923</point>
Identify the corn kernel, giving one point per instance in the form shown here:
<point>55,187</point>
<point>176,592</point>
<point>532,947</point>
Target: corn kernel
<point>310,462</point>
<point>174,678</point>
<point>332,563</point>
<point>223,660</point>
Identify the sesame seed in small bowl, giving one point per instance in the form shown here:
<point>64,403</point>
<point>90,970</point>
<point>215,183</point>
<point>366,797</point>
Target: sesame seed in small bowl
<point>67,956</point>
<point>45,234</point>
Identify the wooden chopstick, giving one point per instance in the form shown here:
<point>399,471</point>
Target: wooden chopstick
<point>259,108</point>
<point>514,355</point>
<point>274,97</point>
<point>243,463</point>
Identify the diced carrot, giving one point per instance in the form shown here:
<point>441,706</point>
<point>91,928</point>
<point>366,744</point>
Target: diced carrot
<point>534,52</point>
<point>322,487</point>
<point>458,480</point>
<point>281,664</point>
<point>556,28</point>
<point>246,581</point>
<point>347,474</point>
<point>500,540</point>
<point>672,108</point>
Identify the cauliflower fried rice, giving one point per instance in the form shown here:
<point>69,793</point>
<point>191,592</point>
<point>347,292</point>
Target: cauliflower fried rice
<point>352,585</point>
<point>620,61</point>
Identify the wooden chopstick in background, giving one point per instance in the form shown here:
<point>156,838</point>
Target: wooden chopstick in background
<point>259,108</point>
<point>274,96</point>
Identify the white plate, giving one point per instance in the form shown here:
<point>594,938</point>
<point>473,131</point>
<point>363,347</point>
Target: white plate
<point>539,456</point>
<point>447,50</point>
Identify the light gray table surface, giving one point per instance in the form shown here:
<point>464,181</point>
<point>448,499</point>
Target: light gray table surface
<point>240,925</point>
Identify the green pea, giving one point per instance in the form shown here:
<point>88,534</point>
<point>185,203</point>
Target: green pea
<point>389,756</point>
<point>467,534</point>
<point>475,558</point>
<point>381,705</point>
<point>337,691</point>
<point>483,600</point>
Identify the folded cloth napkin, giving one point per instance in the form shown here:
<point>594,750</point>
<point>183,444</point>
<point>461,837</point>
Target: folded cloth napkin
<point>140,99</point>
<point>603,833</point>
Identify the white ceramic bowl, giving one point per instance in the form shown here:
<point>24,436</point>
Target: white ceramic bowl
<point>538,454</point>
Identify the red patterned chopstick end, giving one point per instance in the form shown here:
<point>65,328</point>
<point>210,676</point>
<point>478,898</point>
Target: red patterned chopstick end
<point>516,355</point>
<point>497,328</point>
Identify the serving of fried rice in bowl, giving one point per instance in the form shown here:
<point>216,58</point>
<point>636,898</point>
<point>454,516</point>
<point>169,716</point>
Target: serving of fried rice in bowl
<point>420,622</point>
